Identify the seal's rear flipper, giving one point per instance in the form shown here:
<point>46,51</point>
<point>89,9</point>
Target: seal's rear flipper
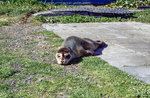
<point>101,43</point>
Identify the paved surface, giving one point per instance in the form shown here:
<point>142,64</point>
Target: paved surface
<point>128,43</point>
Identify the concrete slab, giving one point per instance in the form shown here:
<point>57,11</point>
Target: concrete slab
<point>128,43</point>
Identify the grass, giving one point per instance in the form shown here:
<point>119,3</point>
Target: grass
<point>1,38</point>
<point>18,7</point>
<point>6,20</point>
<point>94,78</point>
<point>143,16</point>
<point>4,90</point>
<point>73,19</point>
<point>2,23</point>
<point>6,69</point>
<point>15,10</point>
<point>4,44</point>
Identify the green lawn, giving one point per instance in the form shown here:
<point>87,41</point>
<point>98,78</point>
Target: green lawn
<point>14,10</point>
<point>91,77</point>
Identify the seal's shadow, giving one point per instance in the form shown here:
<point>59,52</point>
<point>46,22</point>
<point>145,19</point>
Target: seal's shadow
<point>97,52</point>
<point>100,49</point>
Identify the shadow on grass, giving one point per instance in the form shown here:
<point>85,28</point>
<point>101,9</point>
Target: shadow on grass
<point>76,61</point>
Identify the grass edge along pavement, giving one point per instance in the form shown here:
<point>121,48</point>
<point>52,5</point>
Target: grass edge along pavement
<point>93,78</point>
<point>142,16</point>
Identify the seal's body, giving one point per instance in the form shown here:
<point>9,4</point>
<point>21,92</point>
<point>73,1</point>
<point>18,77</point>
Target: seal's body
<point>74,47</point>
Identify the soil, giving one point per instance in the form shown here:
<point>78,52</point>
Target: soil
<point>23,40</point>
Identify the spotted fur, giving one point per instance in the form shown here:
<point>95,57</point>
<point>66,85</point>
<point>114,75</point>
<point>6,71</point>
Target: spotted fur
<point>74,47</point>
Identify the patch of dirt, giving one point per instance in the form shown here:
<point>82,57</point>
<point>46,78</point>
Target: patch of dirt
<point>3,19</point>
<point>23,41</point>
<point>25,19</point>
<point>9,18</point>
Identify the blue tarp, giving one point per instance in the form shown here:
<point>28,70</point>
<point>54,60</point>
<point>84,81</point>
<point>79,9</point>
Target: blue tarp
<point>79,2</point>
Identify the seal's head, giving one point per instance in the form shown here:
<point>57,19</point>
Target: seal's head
<point>63,56</point>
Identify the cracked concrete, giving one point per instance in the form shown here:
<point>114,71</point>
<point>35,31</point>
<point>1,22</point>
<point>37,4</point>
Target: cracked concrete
<point>128,43</point>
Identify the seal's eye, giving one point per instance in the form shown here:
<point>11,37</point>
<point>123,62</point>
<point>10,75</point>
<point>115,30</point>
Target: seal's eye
<point>58,56</point>
<point>68,56</point>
